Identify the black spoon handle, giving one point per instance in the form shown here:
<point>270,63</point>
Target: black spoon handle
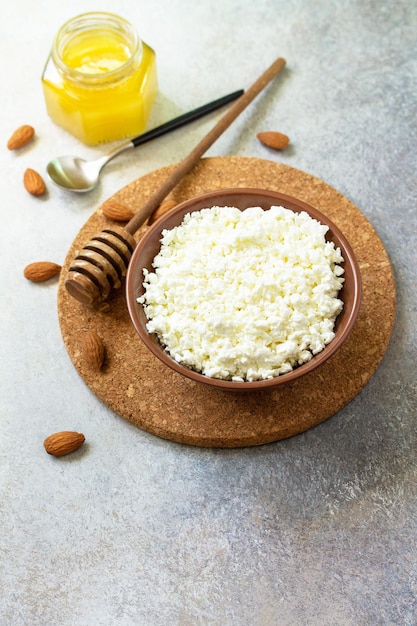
<point>177,122</point>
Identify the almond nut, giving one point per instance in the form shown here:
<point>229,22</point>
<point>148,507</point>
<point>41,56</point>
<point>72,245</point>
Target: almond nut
<point>116,211</point>
<point>165,206</point>
<point>41,270</point>
<point>275,140</point>
<point>34,182</point>
<point>20,137</point>
<point>94,350</point>
<point>63,442</point>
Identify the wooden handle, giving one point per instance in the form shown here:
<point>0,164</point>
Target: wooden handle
<point>102,263</point>
<point>192,159</point>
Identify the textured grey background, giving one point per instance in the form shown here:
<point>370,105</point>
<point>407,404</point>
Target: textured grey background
<point>133,530</point>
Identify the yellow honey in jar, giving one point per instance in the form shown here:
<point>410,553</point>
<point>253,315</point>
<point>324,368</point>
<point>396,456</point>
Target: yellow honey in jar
<point>100,79</point>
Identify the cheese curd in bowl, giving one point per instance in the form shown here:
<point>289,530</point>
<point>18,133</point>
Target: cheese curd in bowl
<point>241,295</point>
<point>244,295</point>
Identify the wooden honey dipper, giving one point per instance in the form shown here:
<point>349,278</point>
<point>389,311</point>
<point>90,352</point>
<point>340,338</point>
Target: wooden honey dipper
<point>103,261</point>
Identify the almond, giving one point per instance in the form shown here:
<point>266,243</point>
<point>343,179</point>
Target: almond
<point>63,442</point>
<point>116,211</point>
<point>94,350</point>
<point>20,137</point>
<point>275,140</point>
<point>41,270</point>
<point>34,182</point>
<point>165,206</point>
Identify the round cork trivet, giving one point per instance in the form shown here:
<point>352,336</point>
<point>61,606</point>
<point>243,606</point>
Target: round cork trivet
<point>136,386</point>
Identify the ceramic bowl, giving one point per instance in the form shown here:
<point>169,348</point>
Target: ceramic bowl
<point>149,246</point>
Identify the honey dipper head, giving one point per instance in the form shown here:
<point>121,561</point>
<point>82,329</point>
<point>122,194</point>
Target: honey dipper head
<point>100,265</point>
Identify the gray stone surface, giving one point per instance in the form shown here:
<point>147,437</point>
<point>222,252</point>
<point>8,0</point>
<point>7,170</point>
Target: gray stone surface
<point>133,530</point>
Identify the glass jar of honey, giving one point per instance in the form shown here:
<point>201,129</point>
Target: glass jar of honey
<point>100,79</point>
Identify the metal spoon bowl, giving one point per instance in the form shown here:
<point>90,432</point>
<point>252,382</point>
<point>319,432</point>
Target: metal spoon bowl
<point>72,173</point>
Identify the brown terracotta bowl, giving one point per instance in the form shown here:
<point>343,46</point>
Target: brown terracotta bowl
<point>149,246</point>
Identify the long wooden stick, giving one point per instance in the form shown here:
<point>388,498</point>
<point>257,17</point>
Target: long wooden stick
<point>103,261</point>
<point>194,156</point>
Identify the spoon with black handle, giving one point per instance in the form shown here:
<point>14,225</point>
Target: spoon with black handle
<point>72,173</point>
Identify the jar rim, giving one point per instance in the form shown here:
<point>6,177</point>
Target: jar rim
<point>94,21</point>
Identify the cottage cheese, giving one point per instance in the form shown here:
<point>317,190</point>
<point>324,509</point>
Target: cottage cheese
<point>244,296</point>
